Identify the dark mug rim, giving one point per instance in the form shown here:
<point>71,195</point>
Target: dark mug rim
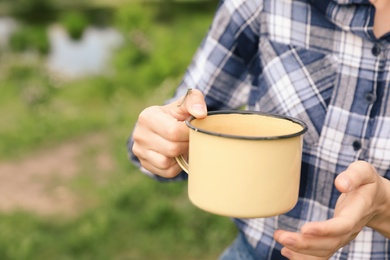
<point>248,112</point>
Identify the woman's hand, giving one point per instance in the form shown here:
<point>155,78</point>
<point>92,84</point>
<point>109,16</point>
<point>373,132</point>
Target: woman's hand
<point>365,201</point>
<point>160,133</point>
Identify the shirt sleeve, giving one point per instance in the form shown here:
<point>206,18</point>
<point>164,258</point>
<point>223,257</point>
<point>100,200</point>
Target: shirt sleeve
<point>221,67</point>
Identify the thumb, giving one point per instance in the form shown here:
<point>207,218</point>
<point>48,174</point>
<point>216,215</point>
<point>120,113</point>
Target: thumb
<point>192,103</point>
<point>358,173</point>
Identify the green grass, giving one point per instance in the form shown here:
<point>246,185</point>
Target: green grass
<point>136,219</point>
<point>124,214</point>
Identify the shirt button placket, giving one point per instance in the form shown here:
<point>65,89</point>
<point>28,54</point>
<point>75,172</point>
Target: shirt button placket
<point>369,97</point>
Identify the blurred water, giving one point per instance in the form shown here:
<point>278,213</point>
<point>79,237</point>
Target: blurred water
<point>7,26</point>
<point>87,56</point>
<point>71,58</point>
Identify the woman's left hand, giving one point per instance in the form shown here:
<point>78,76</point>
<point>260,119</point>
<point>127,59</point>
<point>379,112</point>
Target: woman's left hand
<point>364,201</point>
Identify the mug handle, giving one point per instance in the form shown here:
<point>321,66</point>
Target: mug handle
<point>182,163</point>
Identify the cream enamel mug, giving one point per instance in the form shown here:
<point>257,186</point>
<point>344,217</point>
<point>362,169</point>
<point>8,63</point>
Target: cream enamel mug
<point>244,164</point>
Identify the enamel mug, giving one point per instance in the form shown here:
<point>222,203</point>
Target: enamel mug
<point>244,164</point>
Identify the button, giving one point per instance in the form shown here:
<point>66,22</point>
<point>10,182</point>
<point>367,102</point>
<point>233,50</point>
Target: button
<point>370,97</point>
<point>376,49</point>
<point>356,145</point>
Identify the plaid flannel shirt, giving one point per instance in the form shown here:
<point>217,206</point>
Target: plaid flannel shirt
<point>317,60</point>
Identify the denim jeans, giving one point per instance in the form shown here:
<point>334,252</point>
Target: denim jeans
<point>240,249</point>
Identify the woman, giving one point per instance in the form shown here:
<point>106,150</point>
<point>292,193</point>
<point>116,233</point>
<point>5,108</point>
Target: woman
<point>324,62</point>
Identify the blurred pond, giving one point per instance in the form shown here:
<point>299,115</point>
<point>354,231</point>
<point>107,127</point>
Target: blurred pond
<point>73,58</point>
<point>7,26</point>
<point>86,56</point>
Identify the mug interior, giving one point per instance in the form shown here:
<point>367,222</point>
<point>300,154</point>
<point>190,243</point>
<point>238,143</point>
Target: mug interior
<point>248,125</point>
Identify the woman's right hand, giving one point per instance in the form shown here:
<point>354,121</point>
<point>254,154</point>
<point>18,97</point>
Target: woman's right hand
<point>161,134</point>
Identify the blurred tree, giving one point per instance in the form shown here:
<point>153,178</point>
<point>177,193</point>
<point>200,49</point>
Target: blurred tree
<point>31,37</point>
<point>75,23</point>
<point>36,11</point>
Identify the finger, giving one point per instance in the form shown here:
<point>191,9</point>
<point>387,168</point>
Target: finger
<point>307,245</point>
<point>357,174</point>
<point>337,226</point>
<point>192,103</point>
<point>163,166</point>
<point>170,129</point>
<point>290,254</point>
<point>154,120</point>
<point>158,144</point>
<point>157,154</point>
<point>156,162</point>
<point>348,221</point>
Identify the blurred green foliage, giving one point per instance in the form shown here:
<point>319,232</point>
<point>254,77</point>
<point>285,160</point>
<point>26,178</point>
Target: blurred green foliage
<point>131,223</point>
<point>31,11</point>
<point>157,47</point>
<point>75,22</point>
<point>30,37</point>
<point>34,15</point>
<point>135,217</point>
<point>52,109</point>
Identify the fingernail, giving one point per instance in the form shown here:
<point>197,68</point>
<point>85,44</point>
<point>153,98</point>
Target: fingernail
<point>199,109</point>
<point>345,183</point>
